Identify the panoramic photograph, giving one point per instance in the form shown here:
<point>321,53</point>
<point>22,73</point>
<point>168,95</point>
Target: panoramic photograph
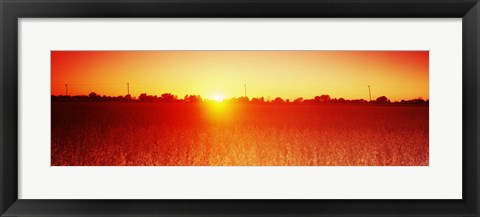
<point>240,108</point>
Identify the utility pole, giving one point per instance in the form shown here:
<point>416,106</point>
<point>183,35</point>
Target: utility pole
<point>245,85</point>
<point>128,88</point>
<point>66,89</point>
<point>369,93</point>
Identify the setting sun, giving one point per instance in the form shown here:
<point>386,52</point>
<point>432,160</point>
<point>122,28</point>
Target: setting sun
<point>217,97</point>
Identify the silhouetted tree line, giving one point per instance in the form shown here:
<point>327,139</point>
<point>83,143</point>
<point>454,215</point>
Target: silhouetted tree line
<point>169,98</point>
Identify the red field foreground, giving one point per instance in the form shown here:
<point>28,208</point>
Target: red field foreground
<point>221,134</point>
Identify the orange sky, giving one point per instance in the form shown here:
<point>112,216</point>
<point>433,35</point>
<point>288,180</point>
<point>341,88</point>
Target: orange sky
<point>287,74</point>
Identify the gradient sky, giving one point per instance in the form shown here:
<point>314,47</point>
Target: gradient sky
<point>287,74</point>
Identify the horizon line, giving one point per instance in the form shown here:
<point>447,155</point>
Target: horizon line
<point>202,98</point>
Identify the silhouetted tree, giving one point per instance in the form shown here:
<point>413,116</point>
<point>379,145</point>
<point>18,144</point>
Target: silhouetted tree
<point>382,100</point>
<point>128,97</point>
<point>322,99</point>
<point>147,98</point>
<point>193,98</point>
<point>258,100</point>
<point>142,97</point>
<point>278,100</point>
<point>168,97</point>
<point>242,99</point>
<point>298,100</point>
<point>418,100</point>
<point>93,95</point>
<point>358,101</point>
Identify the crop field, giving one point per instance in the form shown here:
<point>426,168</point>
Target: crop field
<point>229,134</point>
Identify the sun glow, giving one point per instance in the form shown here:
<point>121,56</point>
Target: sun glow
<point>217,97</point>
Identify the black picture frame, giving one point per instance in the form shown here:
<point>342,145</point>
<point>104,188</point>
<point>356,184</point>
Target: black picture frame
<point>11,10</point>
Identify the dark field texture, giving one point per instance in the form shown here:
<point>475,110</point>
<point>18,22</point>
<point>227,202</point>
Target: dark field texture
<point>222,134</point>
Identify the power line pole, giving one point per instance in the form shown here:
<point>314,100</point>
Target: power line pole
<point>245,85</point>
<point>128,88</point>
<point>369,93</point>
<point>66,89</point>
